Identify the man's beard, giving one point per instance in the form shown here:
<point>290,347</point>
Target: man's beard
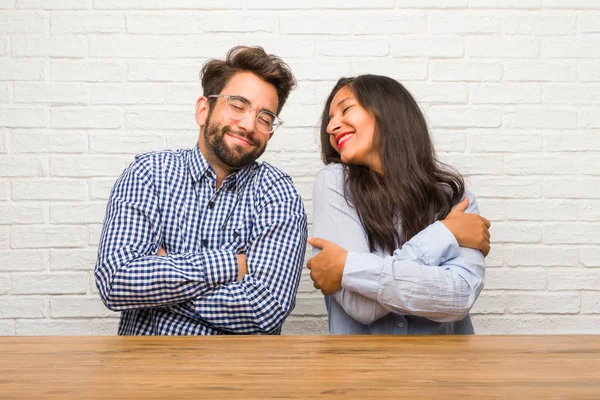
<point>233,157</point>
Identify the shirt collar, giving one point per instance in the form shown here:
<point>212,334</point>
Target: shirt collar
<point>199,167</point>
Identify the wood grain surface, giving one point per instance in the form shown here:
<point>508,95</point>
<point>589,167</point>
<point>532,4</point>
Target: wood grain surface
<point>301,367</point>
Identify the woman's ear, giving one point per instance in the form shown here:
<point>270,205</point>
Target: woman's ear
<point>202,108</point>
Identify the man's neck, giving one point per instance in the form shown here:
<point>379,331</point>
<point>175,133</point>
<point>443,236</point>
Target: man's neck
<point>221,170</point>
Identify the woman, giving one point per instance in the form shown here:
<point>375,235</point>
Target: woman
<point>396,257</point>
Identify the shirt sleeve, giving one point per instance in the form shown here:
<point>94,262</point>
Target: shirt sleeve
<point>261,301</point>
<point>430,276</point>
<point>128,272</point>
<point>335,220</point>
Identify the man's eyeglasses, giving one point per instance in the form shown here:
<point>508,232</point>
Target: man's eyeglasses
<point>239,108</point>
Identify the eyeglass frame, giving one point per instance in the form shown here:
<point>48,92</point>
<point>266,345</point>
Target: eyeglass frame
<point>251,108</point>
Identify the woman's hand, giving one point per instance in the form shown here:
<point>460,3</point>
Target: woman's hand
<point>327,267</point>
<point>470,230</point>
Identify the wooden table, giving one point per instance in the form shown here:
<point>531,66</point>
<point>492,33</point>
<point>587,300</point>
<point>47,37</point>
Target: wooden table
<point>301,367</point>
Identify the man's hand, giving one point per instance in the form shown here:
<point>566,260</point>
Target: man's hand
<point>327,267</point>
<point>470,230</point>
<point>242,266</point>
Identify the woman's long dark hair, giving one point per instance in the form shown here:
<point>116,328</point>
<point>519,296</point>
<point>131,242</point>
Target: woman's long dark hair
<point>414,186</point>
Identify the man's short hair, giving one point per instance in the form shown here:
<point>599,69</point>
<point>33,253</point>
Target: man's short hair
<point>217,73</point>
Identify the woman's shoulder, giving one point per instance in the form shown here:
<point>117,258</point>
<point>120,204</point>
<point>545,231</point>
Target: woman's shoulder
<point>331,176</point>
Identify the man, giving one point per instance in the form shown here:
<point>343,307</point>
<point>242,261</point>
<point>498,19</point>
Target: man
<point>207,240</point>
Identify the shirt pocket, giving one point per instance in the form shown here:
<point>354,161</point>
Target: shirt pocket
<point>235,238</point>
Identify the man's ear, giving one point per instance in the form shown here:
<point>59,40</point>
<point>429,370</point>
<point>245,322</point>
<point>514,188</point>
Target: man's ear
<point>202,109</point>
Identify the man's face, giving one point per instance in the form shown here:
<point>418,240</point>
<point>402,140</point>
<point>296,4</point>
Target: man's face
<point>232,144</point>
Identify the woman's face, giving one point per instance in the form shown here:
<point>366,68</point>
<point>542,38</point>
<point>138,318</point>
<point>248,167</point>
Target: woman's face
<point>351,131</point>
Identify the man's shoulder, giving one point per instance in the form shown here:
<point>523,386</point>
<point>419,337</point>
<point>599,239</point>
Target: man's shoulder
<point>160,161</point>
<point>268,174</point>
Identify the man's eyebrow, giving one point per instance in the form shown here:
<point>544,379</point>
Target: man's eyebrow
<point>340,102</point>
<point>249,102</point>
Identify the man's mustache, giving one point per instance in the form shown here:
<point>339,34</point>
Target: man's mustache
<point>249,138</point>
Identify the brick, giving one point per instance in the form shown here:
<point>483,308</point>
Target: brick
<point>516,232</point>
<point>54,4</point>
<point>22,307</point>
<point>23,214</point>
<point>94,236</point>
<point>23,22</point>
<point>449,140</point>
<point>57,93</point>
<point>434,3</point>
<point>285,47</point>
<point>280,5</point>
<point>459,22</point>
<point>165,46</point>
<point>388,24</point>
<point>4,191</point>
<point>13,117</point>
<point>136,93</point>
<point>465,116</point>
<point>86,71</point>
<point>474,164</point>
<point>501,47</point>
<point>357,47</point>
<point>572,188</point>
<point>4,96</point>
<point>303,93</point>
<point>164,24</point>
<point>516,279</point>
<point>88,166</point>
<point>78,307</point>
<point>489,304</point>
<point>588,118</point>
<point>7,5</point>
<point>520,93</point>
<point>148,118</point>
<point>508,325</point>
<point>540,210</point>
<point>77,213</point>
<point>541,256</point>
<point>38,237</point>
<point>4,284</point>
<point>438,92</point>
<point>571,141</point>
<point>4,237</point>
<point>571,324</point>
<point>23,260</point>
<point>543,303</point>
<point>89,22</point>
<point>588,164</point>
<point>305,326</point>
<point>125,144</point>
<point>51,46</point>
<point>14,69</point>
<point>572,233</point>
<point>227,22</point>
<point>86,117</point>
<point>539,165</point>
<point>570,47</point>
<point>295,164</point>
<point>590,303</point>
<point>574,279</point>
<point>587,71</point>
<point>21,166</point>
<point>357,4</point>
<point>130,4</point>
<point>300,22</point>
<point>294,140</point>
<point>317,70</point>
<point>554,71</point>
<point>506,187</point>
<point>310,305</point>
<point>170,71</point>
<point>540,118</point>
<point>427,46</point>
<point>506,4</point>
<point>100,188</point>
<point>52,327</point>
<point>491,209</point>
<point>540,24</point>
<point>484,141</point>
<point>571,94</point>
<point>301,116</point>
<point>588,210</point>
<point>73,259</point>
<point>49,189</point>
<point>36,141</point>
<point>104,326</point>
<point>7,327</point>
<point>55,283</point>
<point>186,139</point>
<point>569,4</point>
<point>465,70</point>
<point>3,47</point>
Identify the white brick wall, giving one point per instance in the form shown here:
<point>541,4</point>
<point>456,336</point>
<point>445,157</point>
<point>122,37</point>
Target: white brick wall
<point>511,90</point>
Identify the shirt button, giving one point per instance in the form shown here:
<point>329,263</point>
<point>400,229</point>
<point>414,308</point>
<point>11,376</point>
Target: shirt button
<point>235,235</point>
<point>211,204</point>
<point>204,242</point>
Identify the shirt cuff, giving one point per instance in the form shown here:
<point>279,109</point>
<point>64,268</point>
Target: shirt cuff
<point>220,266</point>
<point>436,244</point>
<point>362,273</point>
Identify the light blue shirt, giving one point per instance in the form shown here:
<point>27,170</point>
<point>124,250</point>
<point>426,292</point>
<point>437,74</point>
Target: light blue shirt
<point>427,286</point>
